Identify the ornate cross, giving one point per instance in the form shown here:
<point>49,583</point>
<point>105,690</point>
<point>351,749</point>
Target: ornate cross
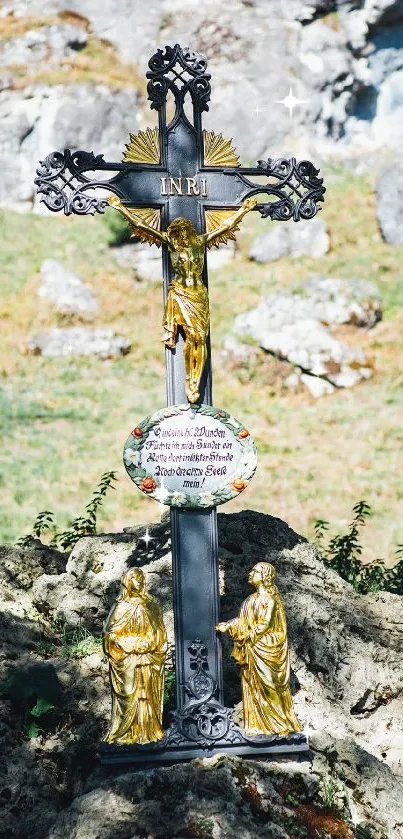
<point>176,170</point>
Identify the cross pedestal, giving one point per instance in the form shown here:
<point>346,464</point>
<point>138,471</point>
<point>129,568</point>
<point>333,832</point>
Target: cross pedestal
<point>181,170</point>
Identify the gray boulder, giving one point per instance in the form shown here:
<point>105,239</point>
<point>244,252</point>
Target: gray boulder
<point>46,43</point>
<point>76,341</point>
<point>306,238</point>
<point>143,259</point>
<point>389,207</point>
<point>40,119</point>
<point>334,301</point>
<point>116,20</point>
<point>65,290</point>
<point>294,327</point>
<point>221,797</point>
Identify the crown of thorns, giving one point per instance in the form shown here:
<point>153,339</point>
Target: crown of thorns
<point>180,224</point>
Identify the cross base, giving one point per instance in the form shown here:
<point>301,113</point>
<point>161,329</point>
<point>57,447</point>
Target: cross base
<point>174,747</point>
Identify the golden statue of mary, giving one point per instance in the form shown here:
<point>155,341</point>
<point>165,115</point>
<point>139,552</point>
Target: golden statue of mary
<point>261,649</point>
<point>135,642</point>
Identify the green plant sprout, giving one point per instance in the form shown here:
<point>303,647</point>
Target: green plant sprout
<point>343,554</point>
<point>85,525</point>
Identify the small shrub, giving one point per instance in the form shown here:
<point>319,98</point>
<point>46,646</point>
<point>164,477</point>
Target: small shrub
<point>343,554</point>
<point>37,690</point>
<point>85,525</point>
<point>80,642</point>
<point>80,526</point>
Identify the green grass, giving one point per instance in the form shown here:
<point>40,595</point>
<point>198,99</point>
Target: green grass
<point>64,421</point>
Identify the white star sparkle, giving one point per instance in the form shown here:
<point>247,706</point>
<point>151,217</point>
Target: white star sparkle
<point>355,819</point>
<point>70,348</point>
<point>290,102</point>
<point>147,538</point>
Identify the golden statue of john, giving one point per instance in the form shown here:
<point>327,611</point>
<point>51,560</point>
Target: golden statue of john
<point>261,650</point>
<point>187,305</point>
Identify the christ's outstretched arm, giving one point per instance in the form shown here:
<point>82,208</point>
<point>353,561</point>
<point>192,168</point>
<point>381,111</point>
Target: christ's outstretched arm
<point>232,222</point>
<point>137,224</point>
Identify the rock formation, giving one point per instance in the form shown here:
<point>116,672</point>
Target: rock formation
<point>347,684</point>
<point>344,60</point>
<point>297,327</point>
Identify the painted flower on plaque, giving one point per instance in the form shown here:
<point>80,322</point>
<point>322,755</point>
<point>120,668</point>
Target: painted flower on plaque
<point>207,499</point>
<point>244,433</point>
<point>238,484</point>
<point>148,484</point>
<point>178,498</point>
<point>131,457</point>
<point>137,432</point>
<point>161,494</point>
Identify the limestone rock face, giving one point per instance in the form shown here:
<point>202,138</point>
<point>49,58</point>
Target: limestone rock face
<point>46,43</point>
<point>347,684</point>
<point>342,60</point>
<point>389,194</point>
<point>65,290</point>
<point>42,119</point>
<point>307,238</point>
<point>76,341</point>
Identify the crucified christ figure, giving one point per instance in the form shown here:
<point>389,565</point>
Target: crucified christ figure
<point>187,305</point>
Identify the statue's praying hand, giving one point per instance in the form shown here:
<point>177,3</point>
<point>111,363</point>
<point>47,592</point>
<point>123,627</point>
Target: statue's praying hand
<point>187,305</point>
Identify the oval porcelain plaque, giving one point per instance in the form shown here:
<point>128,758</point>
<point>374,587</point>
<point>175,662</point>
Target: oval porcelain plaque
<point>190,456</point>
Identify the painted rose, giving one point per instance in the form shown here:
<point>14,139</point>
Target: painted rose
<point>148,484</point>
<point>137,432</point>
<point>244,433</point>
<point>206,499</point>
<point>238,484</point>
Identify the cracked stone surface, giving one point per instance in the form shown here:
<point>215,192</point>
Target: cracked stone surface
<point>347,684</point>
<point>65,290</point>
<point>76,341</point>
<point>297,327</point>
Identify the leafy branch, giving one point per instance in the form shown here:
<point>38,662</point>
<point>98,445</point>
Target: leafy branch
<point>343,554</point>
<point>84,525</point>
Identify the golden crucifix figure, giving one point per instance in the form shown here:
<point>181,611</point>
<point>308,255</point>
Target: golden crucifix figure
<point>135,642</point>
<point>261,649</point>
<point>187,305</point>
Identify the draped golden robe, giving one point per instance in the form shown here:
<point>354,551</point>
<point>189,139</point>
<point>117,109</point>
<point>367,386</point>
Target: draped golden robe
<point>261,648</point>
<point>136,652</point>
<point>187,306</point>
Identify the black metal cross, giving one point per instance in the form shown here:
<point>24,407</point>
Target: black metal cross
<point>180,170</point>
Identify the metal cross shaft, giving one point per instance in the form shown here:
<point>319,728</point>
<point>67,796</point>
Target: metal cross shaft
<point>179,170</point>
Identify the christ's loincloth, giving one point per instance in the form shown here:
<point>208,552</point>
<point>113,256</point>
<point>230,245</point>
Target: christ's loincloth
<point>187,306</point>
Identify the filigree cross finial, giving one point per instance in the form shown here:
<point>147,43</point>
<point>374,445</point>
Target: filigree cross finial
<point>181,71</point>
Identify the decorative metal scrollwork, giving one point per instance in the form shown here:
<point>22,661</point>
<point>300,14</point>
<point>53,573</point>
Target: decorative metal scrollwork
<point>181,71</point>
<point>64,187</point>
<point>298,188</point>
<point>202,719</point>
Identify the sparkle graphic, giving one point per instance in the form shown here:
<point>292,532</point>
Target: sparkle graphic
<point>307,730</point>
<point>355,819</point>
<point>70,348</point>
<point>290,102</point>
<point>147,538</point>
